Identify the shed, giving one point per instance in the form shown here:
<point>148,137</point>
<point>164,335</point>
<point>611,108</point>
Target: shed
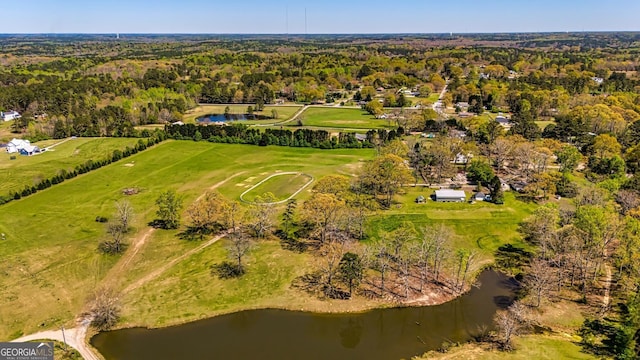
<point>479,196</point>
<point>449,195</point>
<point>421,199</point>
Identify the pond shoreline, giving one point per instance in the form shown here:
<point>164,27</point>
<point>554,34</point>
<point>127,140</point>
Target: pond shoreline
<point>331,314</point>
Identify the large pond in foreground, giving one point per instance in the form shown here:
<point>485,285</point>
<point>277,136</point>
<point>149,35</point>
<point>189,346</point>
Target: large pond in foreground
<point>280,334</point>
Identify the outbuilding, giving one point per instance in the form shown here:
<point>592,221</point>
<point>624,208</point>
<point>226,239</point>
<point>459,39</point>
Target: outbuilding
<point>9,115</point>
<point>479,196</point>
<point>449,195</point>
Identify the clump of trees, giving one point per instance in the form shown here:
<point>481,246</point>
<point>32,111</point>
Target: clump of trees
<point>117,228</point>
<point>169,205</point>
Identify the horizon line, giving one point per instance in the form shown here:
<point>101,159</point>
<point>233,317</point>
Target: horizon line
<point>328,33</point>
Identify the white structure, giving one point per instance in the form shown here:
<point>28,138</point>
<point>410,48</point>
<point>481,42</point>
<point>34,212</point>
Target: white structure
<point>502,120</point>
<point>462,158</point>
<point>23,147</point>
<point>448,195</point>
<point>10,115</point>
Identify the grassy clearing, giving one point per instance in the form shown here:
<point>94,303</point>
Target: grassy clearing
<point>281,186</point>
<point>481,226</point>
<point>544,124</point>
<point>50,264</point>
<point>341,118</point>
<point>29,170</point>
<point>543,347</point>
<point>284,112</point>
<point>188,291</point>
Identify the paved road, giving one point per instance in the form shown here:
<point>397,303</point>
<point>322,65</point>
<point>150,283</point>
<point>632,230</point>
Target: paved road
<point>438,106</point>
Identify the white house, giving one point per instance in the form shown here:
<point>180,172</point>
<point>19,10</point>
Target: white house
<point>449,195</point>
<point>10,115</point>
<point>23,147</point>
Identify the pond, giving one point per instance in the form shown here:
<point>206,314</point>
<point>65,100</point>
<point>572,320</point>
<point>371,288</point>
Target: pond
<point>210,118</point>
<point>279,334</point>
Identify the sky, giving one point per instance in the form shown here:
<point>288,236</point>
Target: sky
<point>322,16</point>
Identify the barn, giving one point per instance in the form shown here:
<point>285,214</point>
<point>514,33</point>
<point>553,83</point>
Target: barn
<point>449,195</point>
<point>22,147</point>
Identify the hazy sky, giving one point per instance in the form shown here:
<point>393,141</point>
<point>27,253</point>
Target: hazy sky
<point>323,16</point>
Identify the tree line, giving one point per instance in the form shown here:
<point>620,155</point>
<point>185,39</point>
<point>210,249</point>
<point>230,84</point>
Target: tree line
<point>242,134</point>
<point>90,165</point>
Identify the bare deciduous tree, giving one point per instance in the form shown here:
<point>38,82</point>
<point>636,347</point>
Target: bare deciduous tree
<point>124,214</point>
<point>239,245</point>
<point>539,279</point>
<point>509,322</point>
<point>104,309</point>
<point>262,214</point>
<point>379,261</point>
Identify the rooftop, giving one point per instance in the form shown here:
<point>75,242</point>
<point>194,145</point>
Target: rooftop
<point>450,193</point>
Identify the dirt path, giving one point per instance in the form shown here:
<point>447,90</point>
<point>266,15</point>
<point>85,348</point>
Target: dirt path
<point>75,338</point>
<point>295,116</point>
<point>606,298</point>
<point>58,143</point>
<point>122,266</point>
<point>220,183</point>
<point>159,271</point>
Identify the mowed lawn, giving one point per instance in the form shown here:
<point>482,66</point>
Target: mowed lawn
<point>338,118</point>
<point>284,112</point>
<point>50,263</point>
<point>281,186</point>
<point>482,227</point>
<point>30,170</point>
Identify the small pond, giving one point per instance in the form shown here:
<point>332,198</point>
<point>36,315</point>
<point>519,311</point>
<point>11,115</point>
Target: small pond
<point>210,118</point>
<point>279,334</point>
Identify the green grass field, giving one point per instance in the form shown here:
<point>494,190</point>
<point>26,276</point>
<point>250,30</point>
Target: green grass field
<point>5,131</point>
<point>281,186</point>
<point>339,118</point>
<point>543,347</point>
<point>481,226</point>
<point>284,112</point>
<point>29,170</point>
<point>50,263</point>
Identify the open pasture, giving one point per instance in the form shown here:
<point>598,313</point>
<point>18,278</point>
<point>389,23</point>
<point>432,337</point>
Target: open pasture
<point>319,117</point>
<point>282,185</point>
<point>29,170</point>
<point>482,226</point>
<point>50,263</point>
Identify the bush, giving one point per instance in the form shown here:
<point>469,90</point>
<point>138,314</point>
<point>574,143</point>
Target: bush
<point>227,270</point>
<point>104,309</point>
